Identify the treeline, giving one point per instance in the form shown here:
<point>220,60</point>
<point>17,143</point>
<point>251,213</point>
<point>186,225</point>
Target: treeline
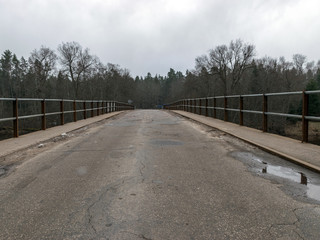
<point>72,72</point>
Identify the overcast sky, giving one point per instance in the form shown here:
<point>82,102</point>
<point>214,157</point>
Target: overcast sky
<point>154,35</point>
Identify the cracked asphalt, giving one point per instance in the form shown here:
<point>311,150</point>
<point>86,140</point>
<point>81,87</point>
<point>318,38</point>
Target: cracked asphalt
<point>149,174</point>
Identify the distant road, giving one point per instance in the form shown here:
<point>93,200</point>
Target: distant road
<point>148,174</point>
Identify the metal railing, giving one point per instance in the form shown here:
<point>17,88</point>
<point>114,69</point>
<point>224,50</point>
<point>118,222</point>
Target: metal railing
<point>89,109</point>
<point>201,106</point>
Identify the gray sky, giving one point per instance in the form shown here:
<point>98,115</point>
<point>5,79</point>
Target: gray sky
<point>154,35</point>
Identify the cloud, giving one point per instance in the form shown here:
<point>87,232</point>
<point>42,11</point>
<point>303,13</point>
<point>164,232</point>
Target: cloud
<point>152,36</point>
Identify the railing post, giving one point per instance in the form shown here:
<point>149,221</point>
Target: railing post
<point>102,107</point>
<point>16,116</point>
<point>92,111</point>
<point>225,108</point>
<point>61,112</point>
<point>43,112</point>
<point>194,106</point>
<point>265,116</point>
<point>305,122</point>
<point>214,108</point>
<point>200,106</point>
<point>207,112</point>
<point>241,108</point>
<point>98,108</point>
<point>74,111</point>
<point>84,110</point>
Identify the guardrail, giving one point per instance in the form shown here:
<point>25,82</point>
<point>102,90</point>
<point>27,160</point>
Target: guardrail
<point>89,109</point>
<point>201,105</point>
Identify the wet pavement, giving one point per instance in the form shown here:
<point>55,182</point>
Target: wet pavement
<point>153,175</point>
<point>271,167</point>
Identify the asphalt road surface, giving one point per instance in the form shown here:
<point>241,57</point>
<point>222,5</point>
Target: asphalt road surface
<point>151,175</point>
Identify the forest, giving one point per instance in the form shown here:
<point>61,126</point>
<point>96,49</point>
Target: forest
<point>73,72</point>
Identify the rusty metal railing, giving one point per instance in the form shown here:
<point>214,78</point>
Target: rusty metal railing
<point>201,106</point>
<point>93,108</point>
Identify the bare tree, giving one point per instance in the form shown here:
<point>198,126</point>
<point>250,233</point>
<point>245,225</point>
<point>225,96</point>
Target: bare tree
<point>240,58</point>
<point>42,63</point>
<point>229,63</point>
<point>76,62</point>
<point>298,62</point>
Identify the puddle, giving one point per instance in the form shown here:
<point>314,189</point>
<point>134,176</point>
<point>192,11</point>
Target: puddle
<point>166,142</point>
<point>287,173</point>
<point>313,190</point>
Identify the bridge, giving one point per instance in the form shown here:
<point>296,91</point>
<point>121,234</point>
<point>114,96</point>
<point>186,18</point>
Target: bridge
<point>157,174</point>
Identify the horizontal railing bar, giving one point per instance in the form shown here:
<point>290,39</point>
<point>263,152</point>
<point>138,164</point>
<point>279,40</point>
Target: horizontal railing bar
<point>68,112</point>
<point>283,93</point>
<point>7,99</point>
<point>251,111</point>
<point>7,119</point>
<point>312,118</point>
<point>53,100</point>
<point>252,95</point>
<point>312,91</point>
<point>30,116</point>
<point>233,96</point>
<point>53,113</point>
<point>232,109</point>
<point>30,99</point>
<point>284,115</point>
<point>56,100</point>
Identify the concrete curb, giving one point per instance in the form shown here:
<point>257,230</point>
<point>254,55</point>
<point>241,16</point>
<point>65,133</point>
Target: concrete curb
<point>287,157</point>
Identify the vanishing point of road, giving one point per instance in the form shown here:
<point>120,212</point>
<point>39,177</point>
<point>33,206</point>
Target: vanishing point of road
<point>150,174</point>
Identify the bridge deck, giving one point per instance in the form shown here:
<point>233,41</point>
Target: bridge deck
<point>151,174</point>
<point>305,154</point>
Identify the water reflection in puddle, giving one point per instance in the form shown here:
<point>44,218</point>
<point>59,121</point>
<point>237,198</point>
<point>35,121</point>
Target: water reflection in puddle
<point>313,190</point>
<point>287,173</point>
